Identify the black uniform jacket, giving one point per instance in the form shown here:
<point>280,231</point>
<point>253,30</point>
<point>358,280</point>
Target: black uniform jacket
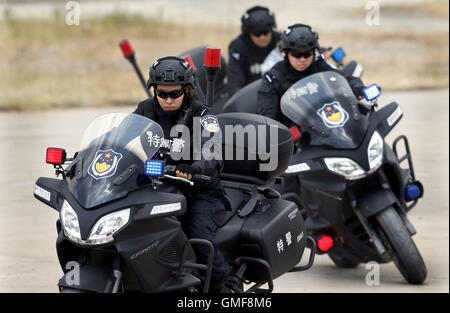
<point>245,59</point>
<point>151,109</point>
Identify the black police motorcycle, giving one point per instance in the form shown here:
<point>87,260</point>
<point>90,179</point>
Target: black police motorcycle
<point>118,207</point>
<point>348,180</point>
<point>245,100</point>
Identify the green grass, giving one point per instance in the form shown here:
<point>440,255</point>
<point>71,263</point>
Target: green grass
<point>49,64</point>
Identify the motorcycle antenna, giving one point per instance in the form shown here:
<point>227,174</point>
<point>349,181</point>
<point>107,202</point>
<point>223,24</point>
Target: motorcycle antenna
<point>212,67</point>
<point>128,53</point>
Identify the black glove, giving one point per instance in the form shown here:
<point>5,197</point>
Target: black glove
<point>188,169</point>
<point>359,91</point>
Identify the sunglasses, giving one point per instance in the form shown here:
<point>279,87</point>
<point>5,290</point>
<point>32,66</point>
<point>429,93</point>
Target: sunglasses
<point>299,54</point>
<point>174,94</point>
<point>258,33</point>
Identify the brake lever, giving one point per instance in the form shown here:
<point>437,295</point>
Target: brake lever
<point>171,169</point>
<point>184,180</point>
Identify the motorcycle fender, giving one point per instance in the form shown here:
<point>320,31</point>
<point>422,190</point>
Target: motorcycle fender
<point>376,201</point>
<point>93,278</point>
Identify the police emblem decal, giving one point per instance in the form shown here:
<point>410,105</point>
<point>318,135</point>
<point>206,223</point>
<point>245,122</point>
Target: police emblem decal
<point>210,123</point>
<point>104,164</point>
<point>333,115</point>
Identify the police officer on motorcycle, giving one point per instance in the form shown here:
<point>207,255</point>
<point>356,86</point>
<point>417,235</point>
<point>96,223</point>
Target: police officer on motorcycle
<point>174,83</point>
<point>248,51</point>
<point>301,58</point>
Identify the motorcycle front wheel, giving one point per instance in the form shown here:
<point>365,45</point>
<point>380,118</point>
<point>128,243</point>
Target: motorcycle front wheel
<point>402,248</point>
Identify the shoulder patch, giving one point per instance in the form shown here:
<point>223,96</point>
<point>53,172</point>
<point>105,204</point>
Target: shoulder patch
<point>210,123</point>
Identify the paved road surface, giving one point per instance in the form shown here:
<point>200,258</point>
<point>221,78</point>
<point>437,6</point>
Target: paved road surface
<point>28,261</point>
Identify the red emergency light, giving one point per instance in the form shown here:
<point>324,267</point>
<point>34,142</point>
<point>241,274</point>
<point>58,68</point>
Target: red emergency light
<point>296,134</point>
<point>325,243</point>
<point>127,50</point>
<point>189,60</point>
<point>55,156</point>
<point>212,57</point>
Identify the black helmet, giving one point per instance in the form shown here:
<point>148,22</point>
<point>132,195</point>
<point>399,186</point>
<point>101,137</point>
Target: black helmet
<point>257,18</point>
<point>299,36</point>
<point>171,71</point>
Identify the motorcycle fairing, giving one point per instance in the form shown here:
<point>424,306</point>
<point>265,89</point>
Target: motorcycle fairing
<point>142,199</point>
<point>324,105</point>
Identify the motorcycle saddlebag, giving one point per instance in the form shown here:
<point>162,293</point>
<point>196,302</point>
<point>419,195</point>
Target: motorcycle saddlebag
<point>274,232</point>
<point>259,147</point>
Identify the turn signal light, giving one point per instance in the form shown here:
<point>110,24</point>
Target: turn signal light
<point>55,156</point>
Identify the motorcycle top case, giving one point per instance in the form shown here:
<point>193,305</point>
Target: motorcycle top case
<point>254,146</point>
<point>274,232</point>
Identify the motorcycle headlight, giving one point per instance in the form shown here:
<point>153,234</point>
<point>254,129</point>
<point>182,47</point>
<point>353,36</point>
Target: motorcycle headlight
<point>375,151</point>
<point>101,233</point>
<point>345,167</point>
<point>107,226</point>
<point>69,221</point>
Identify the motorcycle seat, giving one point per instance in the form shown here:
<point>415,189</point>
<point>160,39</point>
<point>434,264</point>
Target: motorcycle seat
<point>235,199</point>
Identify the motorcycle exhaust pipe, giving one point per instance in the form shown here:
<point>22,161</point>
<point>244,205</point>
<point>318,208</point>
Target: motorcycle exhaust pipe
<point>212,67</point>
<point>128,53</point>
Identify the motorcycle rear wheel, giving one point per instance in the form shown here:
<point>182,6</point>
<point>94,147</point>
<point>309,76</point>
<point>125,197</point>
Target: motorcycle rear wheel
<point>400,245</point>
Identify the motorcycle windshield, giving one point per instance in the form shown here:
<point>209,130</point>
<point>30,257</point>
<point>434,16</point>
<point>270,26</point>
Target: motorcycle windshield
<point>111,159</point>
<point>325,107</point>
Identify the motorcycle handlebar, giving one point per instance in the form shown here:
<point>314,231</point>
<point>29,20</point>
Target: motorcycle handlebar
<point>170,172</point>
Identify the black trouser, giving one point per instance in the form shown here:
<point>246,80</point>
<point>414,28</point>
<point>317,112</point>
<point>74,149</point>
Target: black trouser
<point>203,217</point>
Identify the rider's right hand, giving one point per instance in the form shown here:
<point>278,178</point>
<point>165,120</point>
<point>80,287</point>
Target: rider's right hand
<point>187,171</point>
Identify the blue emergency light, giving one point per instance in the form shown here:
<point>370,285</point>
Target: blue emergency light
<point>338,55</point>
<point>154,168</point>
<point>372,92</point>
<point>413,191</point>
